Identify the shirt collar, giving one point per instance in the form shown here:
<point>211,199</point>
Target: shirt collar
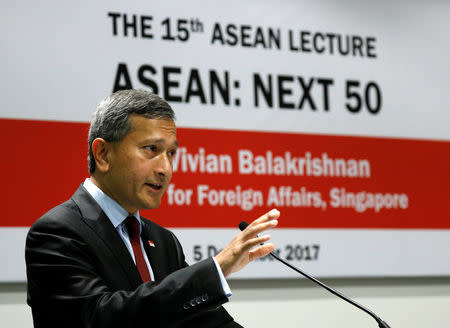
<point>112,209</point>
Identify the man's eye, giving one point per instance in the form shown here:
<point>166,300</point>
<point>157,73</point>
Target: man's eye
<point>172,153</point>
<point>151,148</point>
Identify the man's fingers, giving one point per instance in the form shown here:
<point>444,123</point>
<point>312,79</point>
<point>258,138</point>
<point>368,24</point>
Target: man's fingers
<point>261,251</point>
<point>254,229</point>
<point>271,215</point>
<point>247,246</point>
<point>255,241</point>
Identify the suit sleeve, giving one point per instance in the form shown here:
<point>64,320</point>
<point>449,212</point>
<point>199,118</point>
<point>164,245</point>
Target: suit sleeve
<point>64,286</point>
<point>205,318</point>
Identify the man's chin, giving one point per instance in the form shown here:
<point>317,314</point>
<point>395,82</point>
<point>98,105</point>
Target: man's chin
<point>151,205</point>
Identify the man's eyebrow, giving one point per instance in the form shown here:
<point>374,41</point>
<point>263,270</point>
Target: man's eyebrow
<point>160,140</point>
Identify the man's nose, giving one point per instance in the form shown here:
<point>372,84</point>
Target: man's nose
<point>164,165</point>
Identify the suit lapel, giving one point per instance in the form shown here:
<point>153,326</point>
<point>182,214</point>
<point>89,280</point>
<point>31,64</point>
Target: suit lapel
<point>156,255</point>
<point>93,215</point>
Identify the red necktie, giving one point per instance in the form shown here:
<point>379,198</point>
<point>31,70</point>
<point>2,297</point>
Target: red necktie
<point>132,225</point>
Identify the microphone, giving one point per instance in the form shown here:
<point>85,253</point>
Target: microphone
<point>381,323</point>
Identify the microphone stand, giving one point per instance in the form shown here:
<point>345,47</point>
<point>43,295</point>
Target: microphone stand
<point>381,323</point>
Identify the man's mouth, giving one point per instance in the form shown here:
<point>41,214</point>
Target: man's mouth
<point>156,186</point>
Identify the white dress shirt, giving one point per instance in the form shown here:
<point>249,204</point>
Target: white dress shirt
<point>117,215</point>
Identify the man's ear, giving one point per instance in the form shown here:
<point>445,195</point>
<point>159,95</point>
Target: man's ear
<point>101,150</point>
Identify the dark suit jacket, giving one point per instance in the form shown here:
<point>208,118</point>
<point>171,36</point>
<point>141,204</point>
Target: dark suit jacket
<point>80,274</point>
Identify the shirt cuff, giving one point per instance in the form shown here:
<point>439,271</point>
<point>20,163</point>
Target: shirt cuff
<point>223,281</point>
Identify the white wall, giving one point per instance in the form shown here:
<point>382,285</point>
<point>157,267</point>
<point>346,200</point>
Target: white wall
<point>401,302</point>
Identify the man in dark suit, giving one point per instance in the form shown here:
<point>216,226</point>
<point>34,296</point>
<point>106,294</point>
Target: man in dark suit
<point>89,263</point>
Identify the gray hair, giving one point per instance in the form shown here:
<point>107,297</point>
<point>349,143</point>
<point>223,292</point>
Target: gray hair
<point>111,118</point>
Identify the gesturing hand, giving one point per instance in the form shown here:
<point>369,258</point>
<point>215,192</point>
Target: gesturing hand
<point>239,252</point>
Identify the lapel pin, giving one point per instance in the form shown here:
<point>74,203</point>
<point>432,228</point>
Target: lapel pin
<point>151,243</point>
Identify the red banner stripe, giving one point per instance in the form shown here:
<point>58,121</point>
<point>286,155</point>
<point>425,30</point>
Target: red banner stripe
<point>44,163</point>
